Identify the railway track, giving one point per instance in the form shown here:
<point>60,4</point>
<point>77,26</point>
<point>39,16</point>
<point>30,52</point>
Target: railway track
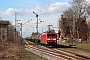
<point>60,54</point>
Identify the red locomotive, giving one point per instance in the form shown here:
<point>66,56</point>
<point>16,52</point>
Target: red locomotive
<point>49,38</point>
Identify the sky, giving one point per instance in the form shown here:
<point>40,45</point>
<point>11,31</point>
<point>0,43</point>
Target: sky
<point>49,11</point>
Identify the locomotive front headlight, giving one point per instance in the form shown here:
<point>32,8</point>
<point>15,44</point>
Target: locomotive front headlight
<point>54,39</point>
<point>48,39</point>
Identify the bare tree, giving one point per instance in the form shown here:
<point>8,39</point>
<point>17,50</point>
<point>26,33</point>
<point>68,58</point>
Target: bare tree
<point>79,8</point>
<point>68,13</point>
<point>75,16</point>
<point>11,34</point>
<point>89,30</point>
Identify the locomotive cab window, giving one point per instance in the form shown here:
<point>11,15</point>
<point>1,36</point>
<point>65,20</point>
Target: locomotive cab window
<point>51,35</point>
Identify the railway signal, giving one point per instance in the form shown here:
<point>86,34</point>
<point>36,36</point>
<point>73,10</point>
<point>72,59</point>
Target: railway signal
<point>36,25</point>
<point>37,21</point>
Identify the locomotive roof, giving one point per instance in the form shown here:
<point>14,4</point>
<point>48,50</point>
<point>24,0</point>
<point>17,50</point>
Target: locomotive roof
<point>49,32</point>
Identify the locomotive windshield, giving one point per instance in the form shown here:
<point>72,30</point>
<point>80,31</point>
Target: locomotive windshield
<point>51,35</point>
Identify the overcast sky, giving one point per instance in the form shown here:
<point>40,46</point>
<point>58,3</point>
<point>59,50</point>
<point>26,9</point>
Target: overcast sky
<point>49,11</point>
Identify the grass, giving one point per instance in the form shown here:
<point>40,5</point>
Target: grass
<point>26,55</point>
<point>84,46</point>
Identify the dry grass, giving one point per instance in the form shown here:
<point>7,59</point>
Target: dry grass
<point>85,46</point>
<point>11,51</point>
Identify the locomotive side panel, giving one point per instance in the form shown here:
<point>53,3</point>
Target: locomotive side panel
<point>43,38</point>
